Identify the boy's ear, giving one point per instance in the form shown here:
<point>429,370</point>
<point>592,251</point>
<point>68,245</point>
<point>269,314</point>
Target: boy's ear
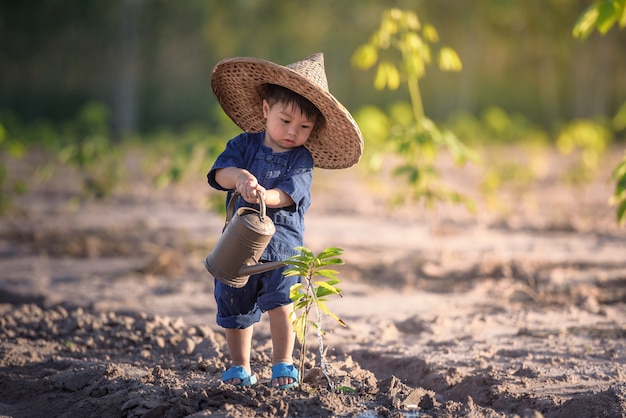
<point>266,108</point>
<point>320,122</point>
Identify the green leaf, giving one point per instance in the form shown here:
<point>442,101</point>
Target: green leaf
<point>328,287</point>
<point>411,172</point>
<point>412,20</point>
<point>621,13</point>
<point>294,272</point>
<point>295,293</point>
<point>15,149</point>
<point>430,33</point>
<point>389,24</point>
<point>387,75</point>
<point>603,15</point>
<point>331,274</point>
<point>330,252</point>
<point>329,262</point>
<point>318,328</point>
<point>298,265</point>
<point>619,120</point>
<point>333,281</point>
<point>302,303</point>
<point>365,57</point>
<point>321,293</point>
<point>619,171</point>
<point>332,261</point>
<point>414,42</point>
<point>305,251</point>
<point>323,270</point>
<point>449,60</point>
<point>586,22</point>
<point>621,213</point>
<point>300,261</point>
<point>323,307</point>
<point>607,16</point>
<point>298,326</point>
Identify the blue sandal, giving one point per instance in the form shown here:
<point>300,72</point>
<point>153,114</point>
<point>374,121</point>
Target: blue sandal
<point>238,372</point>
<point>285,370</point>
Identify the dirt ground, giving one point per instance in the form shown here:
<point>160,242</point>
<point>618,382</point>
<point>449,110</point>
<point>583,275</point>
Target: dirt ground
<point>518,310</point>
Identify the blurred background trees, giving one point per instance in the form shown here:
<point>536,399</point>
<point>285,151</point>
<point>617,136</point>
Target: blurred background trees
<point>80,78</point>
<point>149,61</point>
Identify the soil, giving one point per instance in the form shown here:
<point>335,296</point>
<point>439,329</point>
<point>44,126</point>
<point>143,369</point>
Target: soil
<point>106,308</point>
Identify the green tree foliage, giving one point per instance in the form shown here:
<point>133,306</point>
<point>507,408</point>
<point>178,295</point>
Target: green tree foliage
<point>55,56</point>
<point>58,56</point>
<point>8,187</point>
<point>603,15</point>
<point>87,147</point>
<point>400,50</point>
<point>589,140</point>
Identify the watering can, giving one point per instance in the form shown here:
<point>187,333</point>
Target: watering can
<point>244,238</point>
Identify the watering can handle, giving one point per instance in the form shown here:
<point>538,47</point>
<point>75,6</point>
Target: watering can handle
<point>231,207</point>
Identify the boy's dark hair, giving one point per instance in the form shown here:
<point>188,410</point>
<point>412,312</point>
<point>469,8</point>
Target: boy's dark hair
<point>275,94</point>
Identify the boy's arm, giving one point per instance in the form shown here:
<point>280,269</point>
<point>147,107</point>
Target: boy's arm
<point>248,186</point>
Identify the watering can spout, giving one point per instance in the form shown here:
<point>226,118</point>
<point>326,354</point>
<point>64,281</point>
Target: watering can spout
<point>240,277</point>
<point>252,269</point>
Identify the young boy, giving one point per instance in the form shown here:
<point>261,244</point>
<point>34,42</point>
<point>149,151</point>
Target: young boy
<point>292,124</point>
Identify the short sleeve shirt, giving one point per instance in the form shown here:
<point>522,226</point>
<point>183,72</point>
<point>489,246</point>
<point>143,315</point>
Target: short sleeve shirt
<point>290,171</point>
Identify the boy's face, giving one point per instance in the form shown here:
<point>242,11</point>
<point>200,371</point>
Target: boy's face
<point>286,126</point>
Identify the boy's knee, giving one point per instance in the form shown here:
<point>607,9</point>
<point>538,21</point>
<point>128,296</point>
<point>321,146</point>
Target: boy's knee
<point>285,309</point>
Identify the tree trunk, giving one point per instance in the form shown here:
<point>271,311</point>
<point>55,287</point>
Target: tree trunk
<point>125,108</point>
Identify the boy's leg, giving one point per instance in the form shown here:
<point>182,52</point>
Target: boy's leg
<point>283,340</point>
<point>274,299</point>
<point>239,343</point>
<point>236,314</point>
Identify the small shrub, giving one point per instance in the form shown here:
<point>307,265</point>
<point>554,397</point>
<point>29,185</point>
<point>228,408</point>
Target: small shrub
<point>399,52</point>
<point>310,295</point>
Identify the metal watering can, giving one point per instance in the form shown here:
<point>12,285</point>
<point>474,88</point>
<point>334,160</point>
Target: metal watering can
<point>244,238</point>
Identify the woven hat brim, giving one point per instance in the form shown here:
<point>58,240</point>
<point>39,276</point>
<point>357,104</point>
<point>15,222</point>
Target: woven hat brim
<point>236,82</point>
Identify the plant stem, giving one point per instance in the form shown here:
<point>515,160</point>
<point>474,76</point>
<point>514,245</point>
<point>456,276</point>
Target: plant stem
<point>416,99</point>
<point>305,327</point>
<point>320,343</point>
<point>414,90</point>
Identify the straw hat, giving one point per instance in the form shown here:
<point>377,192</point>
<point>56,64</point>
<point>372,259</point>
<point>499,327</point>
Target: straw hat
<point>237,82</point>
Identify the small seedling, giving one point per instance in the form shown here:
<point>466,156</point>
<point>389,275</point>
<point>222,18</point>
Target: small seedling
<point>310,294</point>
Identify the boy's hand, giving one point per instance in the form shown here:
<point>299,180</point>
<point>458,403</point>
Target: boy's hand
<point>249,188</point>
